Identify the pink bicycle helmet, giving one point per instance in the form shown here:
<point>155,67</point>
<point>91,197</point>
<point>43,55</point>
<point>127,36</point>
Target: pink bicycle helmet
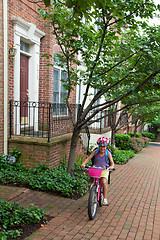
<point>102,141</point>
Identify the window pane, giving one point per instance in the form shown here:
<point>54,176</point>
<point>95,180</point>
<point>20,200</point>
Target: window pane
<point>56,60</point>
<point>63,93</point>
<point>59,92</point>
<point>55,97</point>
<point>24,46</point>
<point>64,75</point>
<point>56,86</point>
<point>98,100</point>
<point>63,90</point>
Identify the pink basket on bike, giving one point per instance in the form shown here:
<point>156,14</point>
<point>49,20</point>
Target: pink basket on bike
<point>95,172</point>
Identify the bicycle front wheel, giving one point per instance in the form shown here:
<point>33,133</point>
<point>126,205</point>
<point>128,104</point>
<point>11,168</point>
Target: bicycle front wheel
<point>92,203</point>
<point>101,197</point>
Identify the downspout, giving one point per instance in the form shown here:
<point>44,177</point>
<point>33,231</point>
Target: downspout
<point>5,23</point>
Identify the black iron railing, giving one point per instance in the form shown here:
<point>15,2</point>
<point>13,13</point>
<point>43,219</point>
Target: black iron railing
<point>46,120</point>
<point>40,119</point>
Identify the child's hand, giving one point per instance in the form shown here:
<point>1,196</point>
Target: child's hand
<point>111,167</point>
<point>83,165</point>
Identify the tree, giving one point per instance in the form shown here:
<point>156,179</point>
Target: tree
<point>137,109</point>
<point>120,53</point>
<point>145,114</point>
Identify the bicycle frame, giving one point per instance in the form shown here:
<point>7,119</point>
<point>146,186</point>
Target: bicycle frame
<point>98,184</point>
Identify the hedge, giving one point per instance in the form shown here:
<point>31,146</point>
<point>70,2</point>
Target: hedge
<point>122,141</point>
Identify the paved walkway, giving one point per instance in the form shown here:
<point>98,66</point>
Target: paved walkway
<point>133,213</point>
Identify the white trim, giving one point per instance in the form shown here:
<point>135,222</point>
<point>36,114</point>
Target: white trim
<point>25,53</point>
<point>5,24</point>
<point>27,30</point>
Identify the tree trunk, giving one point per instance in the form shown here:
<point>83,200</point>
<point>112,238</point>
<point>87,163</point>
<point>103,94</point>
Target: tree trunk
<point>113,124</point>
<point>73,147</point>
<point>135,128</point>
<point>127,124</point>
<point>127,128</point>
<point>113,137</point>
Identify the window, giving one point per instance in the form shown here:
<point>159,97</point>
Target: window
<point>98,100</point>
<point>24,46</point>
<point>59,92</point>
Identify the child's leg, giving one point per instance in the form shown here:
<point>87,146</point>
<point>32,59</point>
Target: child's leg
<point>105,188</point>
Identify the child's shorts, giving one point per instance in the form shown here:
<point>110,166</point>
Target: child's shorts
<point>105,174</point>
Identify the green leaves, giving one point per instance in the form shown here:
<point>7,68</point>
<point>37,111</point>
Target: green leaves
<point>47,2</point>
<point>14,214</point>
<point>46,179</point>
<point>121,157</point>
<point>108,40</point>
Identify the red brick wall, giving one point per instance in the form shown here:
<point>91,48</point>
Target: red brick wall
<point>1,79</point>
<point>35,151</point>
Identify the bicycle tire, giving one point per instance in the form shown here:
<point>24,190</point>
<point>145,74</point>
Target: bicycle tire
<point>101,197</point>
<point>92,203</point>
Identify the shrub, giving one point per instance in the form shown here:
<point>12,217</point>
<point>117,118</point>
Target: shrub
<point>138,135</point>
<point>152,136</point>
<point>13,215</point>
<point>122,156</point>
<point>122,141</point>
<point>138,143</point>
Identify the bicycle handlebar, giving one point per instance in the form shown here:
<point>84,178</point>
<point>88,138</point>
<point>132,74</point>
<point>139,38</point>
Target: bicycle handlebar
<point>106,168</point>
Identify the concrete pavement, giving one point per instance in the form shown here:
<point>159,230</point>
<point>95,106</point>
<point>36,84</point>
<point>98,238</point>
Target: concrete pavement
<point>133,213</point>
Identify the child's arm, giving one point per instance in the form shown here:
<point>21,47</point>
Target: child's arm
<point>111,162</point>
<point>88,159</point>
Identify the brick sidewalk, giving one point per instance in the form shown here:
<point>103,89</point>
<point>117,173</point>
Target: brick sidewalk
<point>133,213</point>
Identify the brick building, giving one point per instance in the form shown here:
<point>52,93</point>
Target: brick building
<point>31,92</point>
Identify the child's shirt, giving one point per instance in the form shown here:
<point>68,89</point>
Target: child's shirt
<point>100,161</point>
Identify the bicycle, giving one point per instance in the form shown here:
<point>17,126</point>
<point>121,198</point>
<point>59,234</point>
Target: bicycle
<point>96,191</point>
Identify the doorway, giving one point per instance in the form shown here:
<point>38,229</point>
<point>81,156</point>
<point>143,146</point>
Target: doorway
<point>24,63</point>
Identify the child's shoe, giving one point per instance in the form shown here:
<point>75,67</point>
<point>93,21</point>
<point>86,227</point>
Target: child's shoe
<point>105,202</point>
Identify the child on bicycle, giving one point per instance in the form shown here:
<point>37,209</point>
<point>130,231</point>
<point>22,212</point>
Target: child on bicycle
<point>102,158</point>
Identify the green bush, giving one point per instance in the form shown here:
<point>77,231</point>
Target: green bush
<point>122,156</point>
<point>13,215</point>
<point>138,135</point>
<point>152,136</point>
<point>122,141</point>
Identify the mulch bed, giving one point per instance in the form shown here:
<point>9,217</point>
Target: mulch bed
<point>27,230</point>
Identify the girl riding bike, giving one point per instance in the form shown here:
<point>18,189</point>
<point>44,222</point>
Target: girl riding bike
<point>102,158</point>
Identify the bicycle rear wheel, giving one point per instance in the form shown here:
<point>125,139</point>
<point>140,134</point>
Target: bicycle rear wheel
<point>92,203</point>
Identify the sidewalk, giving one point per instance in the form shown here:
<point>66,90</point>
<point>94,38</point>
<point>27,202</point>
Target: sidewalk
<point>133,213</point>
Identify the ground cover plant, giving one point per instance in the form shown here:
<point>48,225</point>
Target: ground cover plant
<point>45,178</point>
<point>15,219</point>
